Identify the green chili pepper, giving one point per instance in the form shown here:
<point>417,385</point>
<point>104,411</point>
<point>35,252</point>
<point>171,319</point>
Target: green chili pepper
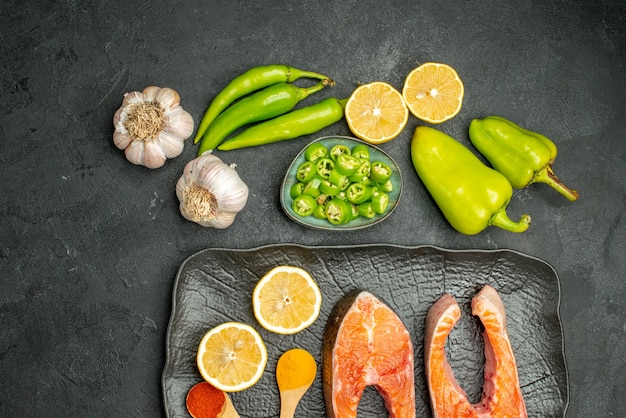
<point>324,166</point>
<point>523,156</point>
<point>329,189</point>
<point>471,195</point>
<point>305,172</point>
<point>312,188</point>
<point>354,211</point>
<point>338,179</point>
<point>250,81</point>
<point>296,190</point>
<point>338,150</point>
<point>322,199</point>
<point>380,172</point>
<point>320,211</point>
<point>371,183</point>
<point>338,211</point>
<point>362,173</point>
<point>361,151</point>
<point>366,210</point>
<point>268,103</point>
<point>386,187</point>
<point>358,193</point>
<point>300,122</point>
<point>380,201</point>
<point>347,164</point>
<point>315,151</point>
<point>304,205</point>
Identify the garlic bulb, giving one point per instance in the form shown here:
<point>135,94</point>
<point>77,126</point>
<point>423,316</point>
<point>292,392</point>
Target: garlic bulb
<point>210,192</point>
<point>151,126</point>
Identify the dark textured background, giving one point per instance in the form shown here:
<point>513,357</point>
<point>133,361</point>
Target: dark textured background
<point>90,244</point>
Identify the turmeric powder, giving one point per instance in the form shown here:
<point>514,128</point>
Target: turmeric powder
<point>295,368</point>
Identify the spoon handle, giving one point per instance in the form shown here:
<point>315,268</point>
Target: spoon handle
<point>229,410</point>
<point>289,401</point>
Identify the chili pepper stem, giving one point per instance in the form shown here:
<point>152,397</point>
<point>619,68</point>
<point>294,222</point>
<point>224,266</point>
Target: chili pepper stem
<point>502,220</point>
<point>547,176</point>
<point>294,74</point>
<point>305,92</point>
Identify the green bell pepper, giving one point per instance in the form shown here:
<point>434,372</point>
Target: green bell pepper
<point>471,195</point>
<point>522,156</point>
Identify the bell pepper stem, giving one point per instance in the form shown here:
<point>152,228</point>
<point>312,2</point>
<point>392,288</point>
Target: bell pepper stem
<point>546,175</point>
<point>502,220</point>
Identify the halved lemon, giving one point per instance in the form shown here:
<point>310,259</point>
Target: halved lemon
<point>286,300</point>
<point>433,92</point>
<point>376,112</point>
<point>232,356</point>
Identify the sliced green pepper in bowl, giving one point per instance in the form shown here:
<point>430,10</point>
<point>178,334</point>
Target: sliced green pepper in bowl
<point>349,194</point>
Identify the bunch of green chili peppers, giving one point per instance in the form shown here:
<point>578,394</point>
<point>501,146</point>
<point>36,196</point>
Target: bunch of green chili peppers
<point>265,94</point>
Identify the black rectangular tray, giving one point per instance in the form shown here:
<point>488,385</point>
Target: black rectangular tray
<point>215,286</point>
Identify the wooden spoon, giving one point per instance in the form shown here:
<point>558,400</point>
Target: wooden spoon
<point>206,401</point>
<point>295,372</point>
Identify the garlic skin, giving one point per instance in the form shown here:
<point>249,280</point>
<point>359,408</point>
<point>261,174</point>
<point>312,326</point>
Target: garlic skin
<point>210,192</point>
<point>151,126</point>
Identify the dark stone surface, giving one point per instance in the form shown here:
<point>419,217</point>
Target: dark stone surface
<point>90,244</point>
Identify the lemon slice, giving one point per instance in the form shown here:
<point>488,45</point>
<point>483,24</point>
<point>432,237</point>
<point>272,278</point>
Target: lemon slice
<point>433,92</point>
<point>232,356</point>
<point>376,112</point>
<point>286,300</point>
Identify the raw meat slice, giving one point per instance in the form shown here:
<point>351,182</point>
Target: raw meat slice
<point>366,343</point>
<point>502,396</point>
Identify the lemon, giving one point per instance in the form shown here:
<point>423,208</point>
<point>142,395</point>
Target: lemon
<point>232,356</point>
<point>376,112</point>
<point>286,300</point>
<point>433,92</point>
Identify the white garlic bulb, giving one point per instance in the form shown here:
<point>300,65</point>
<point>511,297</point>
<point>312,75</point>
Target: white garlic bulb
<point>151,126</point>
<point>211,192</point>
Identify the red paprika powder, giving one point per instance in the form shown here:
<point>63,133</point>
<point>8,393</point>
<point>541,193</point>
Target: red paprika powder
<point>205,401</point>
